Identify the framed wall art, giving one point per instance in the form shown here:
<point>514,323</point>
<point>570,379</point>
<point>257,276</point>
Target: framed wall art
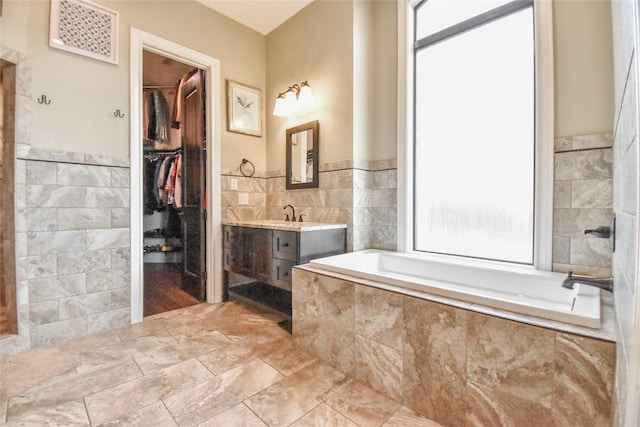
<point>84,28</point>
<point>244,109</point>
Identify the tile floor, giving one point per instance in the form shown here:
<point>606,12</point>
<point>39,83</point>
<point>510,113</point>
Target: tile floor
<point>209,365</point>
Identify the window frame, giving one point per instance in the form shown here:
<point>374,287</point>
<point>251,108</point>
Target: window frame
<point>544,127</point>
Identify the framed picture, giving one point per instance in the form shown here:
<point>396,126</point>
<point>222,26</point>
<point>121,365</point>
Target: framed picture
<point>84,28</point>
<point>244,109</point>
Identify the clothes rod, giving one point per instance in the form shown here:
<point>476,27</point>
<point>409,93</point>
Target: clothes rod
<point>159,87</point>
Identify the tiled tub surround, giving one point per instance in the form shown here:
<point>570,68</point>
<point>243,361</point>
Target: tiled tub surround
<point>447,363</point>
<point>583,199</point>
<point>73,248</point>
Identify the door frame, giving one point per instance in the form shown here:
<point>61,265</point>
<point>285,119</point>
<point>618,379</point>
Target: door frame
<point>140,41</point>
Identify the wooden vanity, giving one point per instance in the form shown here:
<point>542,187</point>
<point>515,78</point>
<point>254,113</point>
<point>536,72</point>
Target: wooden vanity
<point>259,255</point>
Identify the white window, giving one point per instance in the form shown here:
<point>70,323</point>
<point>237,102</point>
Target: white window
<point>479,145</point>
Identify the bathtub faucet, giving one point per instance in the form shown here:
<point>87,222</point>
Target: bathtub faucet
<point>293,213</point>
<point>605,283</point>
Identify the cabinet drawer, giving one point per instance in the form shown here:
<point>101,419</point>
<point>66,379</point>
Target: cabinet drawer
<point>285,245</point>
<point>281,273</point>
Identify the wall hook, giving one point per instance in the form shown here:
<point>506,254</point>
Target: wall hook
<point>43,100</point>
<point>118,114</point>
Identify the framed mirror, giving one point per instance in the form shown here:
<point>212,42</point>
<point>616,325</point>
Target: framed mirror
<point>302,156</point>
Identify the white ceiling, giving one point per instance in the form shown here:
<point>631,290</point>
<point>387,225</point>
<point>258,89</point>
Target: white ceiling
<point>260,15</point>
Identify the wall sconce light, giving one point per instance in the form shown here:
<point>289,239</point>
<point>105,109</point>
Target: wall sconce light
<point>292,99</point>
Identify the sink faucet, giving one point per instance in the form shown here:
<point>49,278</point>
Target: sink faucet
<point>605,283</point>
<point>293,213</point>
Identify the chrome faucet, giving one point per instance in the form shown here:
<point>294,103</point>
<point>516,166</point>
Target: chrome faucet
<point>605,283</point>
<point>293,213</point>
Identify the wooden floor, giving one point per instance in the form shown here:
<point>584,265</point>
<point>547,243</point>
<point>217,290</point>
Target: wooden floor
<point>162,289</point>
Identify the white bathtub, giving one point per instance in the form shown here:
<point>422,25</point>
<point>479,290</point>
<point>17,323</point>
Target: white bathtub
<point>521,290</point>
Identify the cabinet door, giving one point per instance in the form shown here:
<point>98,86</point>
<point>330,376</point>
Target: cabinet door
<point>247,251</point>
<point>256,254</point>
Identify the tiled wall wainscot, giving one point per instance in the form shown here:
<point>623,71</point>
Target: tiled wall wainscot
<point>583,199</point>
<point>375,200</point>
<point>360,194</point>
<point>455,366</point>
<point>625,197</point>
<point>255,189</point>
<point>73,248</point>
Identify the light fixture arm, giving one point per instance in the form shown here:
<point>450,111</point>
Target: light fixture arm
<point>281,107</point>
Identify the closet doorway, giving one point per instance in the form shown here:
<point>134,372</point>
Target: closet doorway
<point>174,173</point>
<point>141,41</point>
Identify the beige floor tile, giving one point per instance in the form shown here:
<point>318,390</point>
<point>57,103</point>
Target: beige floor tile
<point>220,393</point>
<point>155,415</point>
<point>177,352</point>
<point>362,404</point>
<point>405,417</point>
<point>71,387</point>
<point>218,365</point>
<point>284,356</point>
<point>237,416</point>
<point>324,415</point>
<point>26,369</point>
<point>68,414</point>
<point>90,342</point>
<point>123,350</point>
<point>228,357</point>
<point>157,325</point>
<point>133,395</point>
<point>294,396</point>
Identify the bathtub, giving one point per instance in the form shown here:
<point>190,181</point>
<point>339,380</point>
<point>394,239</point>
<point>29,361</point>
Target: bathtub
<point>520,290</point>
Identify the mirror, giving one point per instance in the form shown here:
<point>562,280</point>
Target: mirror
<point>302,156</point>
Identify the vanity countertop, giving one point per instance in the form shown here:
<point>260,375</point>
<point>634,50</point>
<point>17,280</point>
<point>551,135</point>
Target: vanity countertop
<point>283,225</point>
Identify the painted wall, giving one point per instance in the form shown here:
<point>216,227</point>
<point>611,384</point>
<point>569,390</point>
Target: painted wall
<point>347,51</point>
<point>84,93</point>
<point>583,72</point>
<point>315,45</point>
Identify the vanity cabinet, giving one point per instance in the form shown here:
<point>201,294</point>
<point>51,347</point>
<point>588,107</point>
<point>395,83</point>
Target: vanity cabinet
<point>259,257</point>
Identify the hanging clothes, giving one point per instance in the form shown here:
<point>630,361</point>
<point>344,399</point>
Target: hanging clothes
<point>170,186</point>
<point>150,200</point>
<point>178,185</point>
<point>156,117</point>
<point>162,178</point>
<point>176,113</point>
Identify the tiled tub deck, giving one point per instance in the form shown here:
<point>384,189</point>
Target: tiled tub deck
<point>452,365</point>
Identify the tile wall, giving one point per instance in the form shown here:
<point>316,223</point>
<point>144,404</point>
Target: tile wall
<point>625,157</point>
<point>455,366</point>
<point>73,247</point>
<point>583,199</point>
<point>361,196</point>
